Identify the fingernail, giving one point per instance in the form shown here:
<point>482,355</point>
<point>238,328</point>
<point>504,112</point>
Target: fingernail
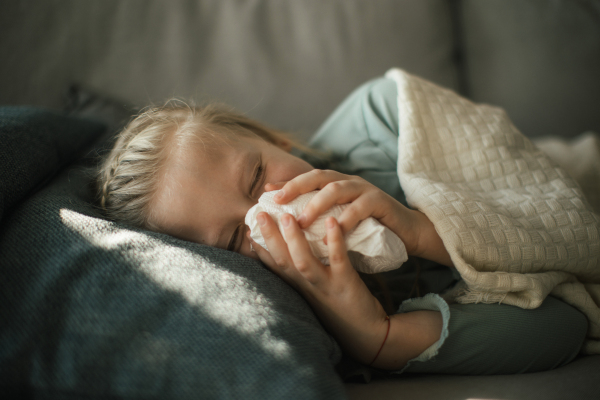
<point>285,220</point>
<point>279,195</point>
<point>261,219</point>
<point>329,223</point>
<point>301,219</point>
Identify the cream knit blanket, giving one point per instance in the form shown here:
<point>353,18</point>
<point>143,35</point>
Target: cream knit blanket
<point>516,225</point>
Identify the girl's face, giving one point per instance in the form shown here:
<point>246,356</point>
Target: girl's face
<point>206,192</point>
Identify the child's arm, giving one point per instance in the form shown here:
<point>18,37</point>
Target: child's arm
<point>342,301</point>
<point>366,200</point>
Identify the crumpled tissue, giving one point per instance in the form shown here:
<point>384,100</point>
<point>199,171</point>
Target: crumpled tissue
<point>372,247</point>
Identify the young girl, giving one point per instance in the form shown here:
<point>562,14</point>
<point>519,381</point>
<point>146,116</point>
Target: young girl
<point>193,173</point>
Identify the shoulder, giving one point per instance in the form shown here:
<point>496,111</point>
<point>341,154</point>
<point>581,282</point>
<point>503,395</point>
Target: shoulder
<point>366,122</point>
<point>361,135</point>
<point>373,101</point>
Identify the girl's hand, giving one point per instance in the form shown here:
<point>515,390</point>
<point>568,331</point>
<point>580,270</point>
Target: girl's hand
<point>336,293</point>
<point>341,300</point>
<point>365,200</point>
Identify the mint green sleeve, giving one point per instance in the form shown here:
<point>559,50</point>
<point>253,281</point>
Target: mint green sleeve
<point>486,339</point>
<point>361,137</point>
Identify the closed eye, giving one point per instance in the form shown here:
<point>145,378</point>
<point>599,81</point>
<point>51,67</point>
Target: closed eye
<point>257,176</point>
<point>234,238</point>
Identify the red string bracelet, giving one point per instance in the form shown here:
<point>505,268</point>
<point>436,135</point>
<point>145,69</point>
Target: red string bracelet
<point>387,317</point>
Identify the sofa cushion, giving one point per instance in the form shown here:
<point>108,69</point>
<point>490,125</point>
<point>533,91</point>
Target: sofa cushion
<point>36,143</point>
<point>94,309</point>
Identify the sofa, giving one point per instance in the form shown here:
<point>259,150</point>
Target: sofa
<point>91,308</point>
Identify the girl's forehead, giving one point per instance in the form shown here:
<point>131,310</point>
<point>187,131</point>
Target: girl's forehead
<point>203,178</point>
<point>219,164</point>
<point>210,150</point>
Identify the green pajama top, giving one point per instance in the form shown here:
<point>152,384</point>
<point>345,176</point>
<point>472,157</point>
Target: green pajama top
<point>361,138</point>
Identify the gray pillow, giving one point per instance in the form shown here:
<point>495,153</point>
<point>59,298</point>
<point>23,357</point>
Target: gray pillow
<point>36,143</point>
<point>94,309</point>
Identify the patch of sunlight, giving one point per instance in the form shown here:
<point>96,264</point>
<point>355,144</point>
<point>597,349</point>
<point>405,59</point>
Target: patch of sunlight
<point>230,299</point>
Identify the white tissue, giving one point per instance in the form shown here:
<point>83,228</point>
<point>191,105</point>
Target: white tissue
<point>372,247</point>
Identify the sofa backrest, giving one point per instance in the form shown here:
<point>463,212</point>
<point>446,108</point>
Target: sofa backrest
<point>540,60</point>
<point>289,63</point>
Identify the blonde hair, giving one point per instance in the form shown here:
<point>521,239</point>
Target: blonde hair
<point>129,176</point>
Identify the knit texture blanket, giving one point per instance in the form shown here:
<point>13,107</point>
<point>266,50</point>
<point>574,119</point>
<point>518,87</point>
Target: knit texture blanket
<point>516,225</point>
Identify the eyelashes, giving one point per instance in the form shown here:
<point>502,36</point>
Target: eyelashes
<point>260,170</point>
<point>233,241</point>
<point>257,178</point>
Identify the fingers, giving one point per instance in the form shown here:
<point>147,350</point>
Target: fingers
<point>339,192</point>
<point>292,261</point>
<point>304,260</point>
<point>269,187</point>
<point>358,210</point>
<point>336,188</point>
<point>338,253</point>
<point>307,182</point>
<point>277,258</point>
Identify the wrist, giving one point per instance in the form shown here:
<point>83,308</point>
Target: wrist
<point>424,240</point>
<point>407,224</point>
<point>373,342</point>
<point>410,335</point>
<point>424,233</point>
<point>360,331</point>
<point>387,333</point>
<point>366,345</point>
